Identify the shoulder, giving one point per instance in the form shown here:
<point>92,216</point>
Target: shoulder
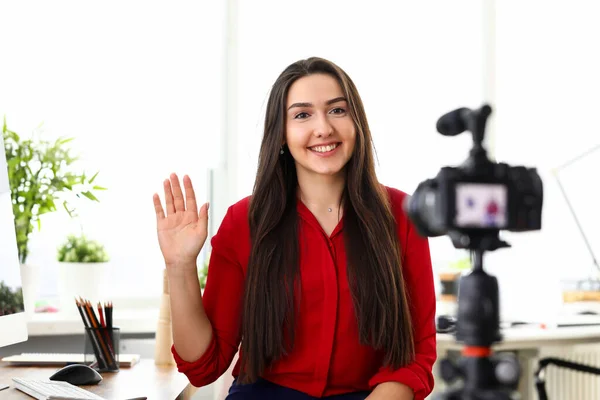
<point>397,199</point>
<point>238,212</point>
<point>235,220</point>
<point>396,196</point>
<point>410,240</point>
<point>233,235</point>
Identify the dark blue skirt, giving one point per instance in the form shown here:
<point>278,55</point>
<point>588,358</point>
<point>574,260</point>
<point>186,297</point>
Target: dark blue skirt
<point>265,390</point>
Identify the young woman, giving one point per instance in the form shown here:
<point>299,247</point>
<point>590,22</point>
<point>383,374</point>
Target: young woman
<point>319,275</point>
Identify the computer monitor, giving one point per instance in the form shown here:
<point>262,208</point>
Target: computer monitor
<point>13,323</point>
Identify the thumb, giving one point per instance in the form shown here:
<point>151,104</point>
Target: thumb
<point>203,214</point>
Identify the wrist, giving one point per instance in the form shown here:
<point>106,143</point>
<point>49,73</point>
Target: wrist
<point>182,270</point>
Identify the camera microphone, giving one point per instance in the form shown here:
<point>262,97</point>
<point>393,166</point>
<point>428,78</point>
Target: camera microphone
<point>452,123</point>
<point>457,121</point>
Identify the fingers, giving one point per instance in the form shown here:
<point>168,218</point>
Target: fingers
<point>160,213</point>
<point>177,194</point>
<point>203,213</point>
<point>169,197</point>
<point>190,196</point>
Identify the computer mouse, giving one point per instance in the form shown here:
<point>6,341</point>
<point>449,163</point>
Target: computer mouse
<point>77,374</point>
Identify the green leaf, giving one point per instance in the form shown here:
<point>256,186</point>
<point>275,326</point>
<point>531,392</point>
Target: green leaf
<point>81,249</point>
<point>94,177</point>
<point>63,140</point>
<point>89,195</point>
<point>12,163</point>
<point>69,211</point>
<point>39,172</point>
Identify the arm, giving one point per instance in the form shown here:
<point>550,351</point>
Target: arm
<point>206,329</point>
<point>416,376</point>
<point>192,330</point>
<point>391,390</point>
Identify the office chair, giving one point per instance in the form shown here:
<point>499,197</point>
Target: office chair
<point>540,382</point>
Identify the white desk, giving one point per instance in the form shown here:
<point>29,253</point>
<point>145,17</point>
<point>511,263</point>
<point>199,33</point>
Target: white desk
<point>525,337</point>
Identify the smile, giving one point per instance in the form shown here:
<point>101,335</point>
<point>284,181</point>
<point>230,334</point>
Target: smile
<point>324,149</point>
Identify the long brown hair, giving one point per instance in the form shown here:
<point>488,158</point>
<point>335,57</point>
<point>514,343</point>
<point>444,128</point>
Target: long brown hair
<point>373,251</point>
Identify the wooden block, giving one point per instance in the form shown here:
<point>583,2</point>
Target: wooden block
<point>580,295</point>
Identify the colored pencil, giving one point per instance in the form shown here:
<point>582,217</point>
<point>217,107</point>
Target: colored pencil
<point>90,332</point>
<point>102,323</point>
<point>100,336</point>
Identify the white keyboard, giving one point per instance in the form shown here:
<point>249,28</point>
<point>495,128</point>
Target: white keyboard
<point>53,390</point>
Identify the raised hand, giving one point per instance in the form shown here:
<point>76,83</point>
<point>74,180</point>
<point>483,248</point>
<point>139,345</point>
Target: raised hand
<point>183,229</point>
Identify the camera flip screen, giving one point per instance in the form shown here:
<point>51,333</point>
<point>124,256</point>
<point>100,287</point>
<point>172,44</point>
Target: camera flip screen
<point>481,205</point>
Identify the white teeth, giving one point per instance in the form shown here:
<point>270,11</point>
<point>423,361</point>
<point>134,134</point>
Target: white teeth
<point>324,149</point>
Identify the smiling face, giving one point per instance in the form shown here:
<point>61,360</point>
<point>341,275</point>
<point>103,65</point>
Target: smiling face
<point>320,133</point>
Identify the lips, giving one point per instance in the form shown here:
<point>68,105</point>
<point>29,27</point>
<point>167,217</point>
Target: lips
<point>324,148</point>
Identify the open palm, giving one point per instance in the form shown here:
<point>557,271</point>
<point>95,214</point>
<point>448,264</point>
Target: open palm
<point>183,229</point>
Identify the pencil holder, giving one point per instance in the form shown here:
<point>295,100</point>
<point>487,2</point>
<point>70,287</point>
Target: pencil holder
<point>101,348</point>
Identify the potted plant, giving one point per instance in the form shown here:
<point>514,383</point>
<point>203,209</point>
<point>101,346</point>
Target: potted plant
<point>11,301</point>
<point>82,270</point>
<point>41,180</point>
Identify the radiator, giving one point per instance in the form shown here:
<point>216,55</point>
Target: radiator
<point>563,384</point>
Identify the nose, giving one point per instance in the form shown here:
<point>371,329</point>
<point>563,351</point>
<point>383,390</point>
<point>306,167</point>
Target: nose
<point>323,127</point>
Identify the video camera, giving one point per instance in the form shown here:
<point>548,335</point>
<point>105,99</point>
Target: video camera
<point>471,203</point>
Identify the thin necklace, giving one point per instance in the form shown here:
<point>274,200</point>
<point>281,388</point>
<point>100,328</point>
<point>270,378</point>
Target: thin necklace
<point>329,209</point>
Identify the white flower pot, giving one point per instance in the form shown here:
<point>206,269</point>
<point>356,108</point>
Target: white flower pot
<point>30,277</point>
<point>86,280</point>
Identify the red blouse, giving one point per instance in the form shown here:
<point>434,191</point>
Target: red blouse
<point>327,358</point>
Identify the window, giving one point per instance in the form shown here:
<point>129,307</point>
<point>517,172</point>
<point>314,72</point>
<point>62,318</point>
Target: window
<point>547,94</point>
<point>138,85</point>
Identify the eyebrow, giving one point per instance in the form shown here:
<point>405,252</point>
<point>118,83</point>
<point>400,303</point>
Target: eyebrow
<point>328,102</point>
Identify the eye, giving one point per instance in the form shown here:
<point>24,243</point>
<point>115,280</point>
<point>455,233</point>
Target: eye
<point>338,110</point>
<point>301,115</point>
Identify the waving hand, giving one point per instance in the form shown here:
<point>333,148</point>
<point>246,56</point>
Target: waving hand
<point>182,230</point>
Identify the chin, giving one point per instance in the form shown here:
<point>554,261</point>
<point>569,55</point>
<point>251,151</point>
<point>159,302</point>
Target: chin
<point>326,171</point>
<point>327,168</point>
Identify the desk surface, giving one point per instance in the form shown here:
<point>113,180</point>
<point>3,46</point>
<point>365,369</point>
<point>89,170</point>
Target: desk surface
<point>528,337</point>
<point>143,379</point>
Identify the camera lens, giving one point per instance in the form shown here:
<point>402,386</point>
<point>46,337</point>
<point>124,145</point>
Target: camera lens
<point>423,209</point>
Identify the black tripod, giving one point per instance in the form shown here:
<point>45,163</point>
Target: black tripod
<point>485,376</point>
<point>438,207</point>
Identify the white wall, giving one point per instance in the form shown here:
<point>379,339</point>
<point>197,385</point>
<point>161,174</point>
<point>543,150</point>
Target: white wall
<point>547,91</point>
<point>411,62</point>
